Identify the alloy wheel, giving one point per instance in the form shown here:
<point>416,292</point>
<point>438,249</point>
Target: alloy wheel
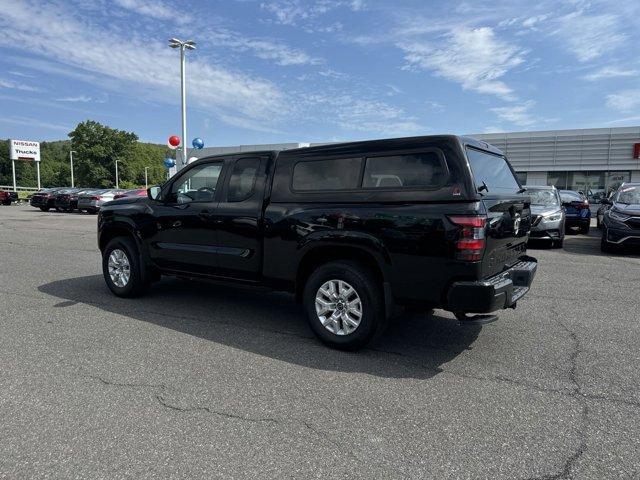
<point>338,307</point>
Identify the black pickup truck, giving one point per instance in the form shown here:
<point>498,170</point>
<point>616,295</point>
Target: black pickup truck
<point>352,229</point>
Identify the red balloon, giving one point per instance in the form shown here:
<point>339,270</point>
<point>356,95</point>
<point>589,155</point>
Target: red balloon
<point>174,140</point>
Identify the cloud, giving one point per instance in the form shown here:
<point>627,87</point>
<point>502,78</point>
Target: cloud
<point>610,72</point>
<point>366,115</point>
<point>474,58</point>
<point>589,36</point>
<point>34,122</point>
<point>624,100</point>
<point>17,86</point>
<point>21,74</point>
<point>155,9</point>
<point>435,106</point>
<point>518,114</point>
<point>524,22</point>
<point>290,12</point>
<point>262,48</point>
<point>149,67</point>
<point>78,98</point>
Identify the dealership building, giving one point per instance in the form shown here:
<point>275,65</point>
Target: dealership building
<point>590,160</point>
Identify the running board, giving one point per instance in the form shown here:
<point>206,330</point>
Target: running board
<point>464,319</point>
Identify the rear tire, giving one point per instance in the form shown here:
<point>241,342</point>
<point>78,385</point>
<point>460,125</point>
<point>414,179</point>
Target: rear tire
<point>584,229</point>
<point>557,243</point>
<point>121,268</point>
<point>44,209</point>
<point>365,297</point>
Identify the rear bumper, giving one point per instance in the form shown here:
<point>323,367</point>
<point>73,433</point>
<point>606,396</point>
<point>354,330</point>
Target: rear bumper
<point>578,221</point>
<point>495,293</point>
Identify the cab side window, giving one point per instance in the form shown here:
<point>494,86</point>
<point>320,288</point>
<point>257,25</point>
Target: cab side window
<point>243,179</point>
<point>197,185</point>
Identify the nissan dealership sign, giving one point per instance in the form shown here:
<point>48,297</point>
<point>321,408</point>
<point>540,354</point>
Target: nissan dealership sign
<point>24,150</point>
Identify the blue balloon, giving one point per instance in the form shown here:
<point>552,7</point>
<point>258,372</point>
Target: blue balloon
<point>169,162</point>
<point>197,143</point>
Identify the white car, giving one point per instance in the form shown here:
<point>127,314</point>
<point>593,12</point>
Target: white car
<point>92,202</point>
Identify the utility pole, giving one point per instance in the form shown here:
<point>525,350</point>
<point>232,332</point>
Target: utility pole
<point>184,46</point>
<point>71,152</point>
<point>146,178</point>
<point>117,183</point>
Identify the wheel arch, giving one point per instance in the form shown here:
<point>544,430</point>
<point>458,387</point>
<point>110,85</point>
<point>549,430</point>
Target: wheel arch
<point>325,252</point>
<point>117,229</point>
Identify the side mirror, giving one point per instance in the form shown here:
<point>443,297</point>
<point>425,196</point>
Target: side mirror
<point>154,192</point>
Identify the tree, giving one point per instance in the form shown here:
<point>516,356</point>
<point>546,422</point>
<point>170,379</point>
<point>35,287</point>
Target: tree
<point>97,149</point>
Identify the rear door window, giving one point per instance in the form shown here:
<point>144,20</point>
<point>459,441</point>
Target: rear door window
<point>492,171</point>
<point>415,170</point>
<point>330,174</point>
<point>243,179</point>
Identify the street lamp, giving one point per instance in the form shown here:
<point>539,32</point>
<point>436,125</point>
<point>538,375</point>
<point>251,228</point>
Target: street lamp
<point>71,152</point>
<point>117,184</point>
<point>183,46</point>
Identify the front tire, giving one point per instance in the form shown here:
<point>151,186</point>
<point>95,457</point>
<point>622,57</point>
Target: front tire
<point>121,268</point>
<point>44,209</point>
<point>344,306</point>
<point>606,247</point>
<point>584,229</point>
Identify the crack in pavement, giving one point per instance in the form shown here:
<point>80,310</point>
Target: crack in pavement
<point>572,460</point>
<point>163,401</point>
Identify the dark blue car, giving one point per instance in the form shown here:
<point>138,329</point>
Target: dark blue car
<point>578,213</point>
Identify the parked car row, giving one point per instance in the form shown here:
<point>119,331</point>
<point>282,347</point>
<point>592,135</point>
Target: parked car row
<point>69,199</point>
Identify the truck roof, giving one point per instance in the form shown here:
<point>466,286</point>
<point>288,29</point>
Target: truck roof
<point>381,144</point>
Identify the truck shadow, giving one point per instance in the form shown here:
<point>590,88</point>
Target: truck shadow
<point>273,325</point>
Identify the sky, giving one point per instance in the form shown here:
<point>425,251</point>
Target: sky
<point>268,71</point>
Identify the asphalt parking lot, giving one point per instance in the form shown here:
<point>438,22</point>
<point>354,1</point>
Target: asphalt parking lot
<point>204,381</point>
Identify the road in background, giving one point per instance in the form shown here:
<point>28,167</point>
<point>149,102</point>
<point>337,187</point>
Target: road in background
<point>204,381</point>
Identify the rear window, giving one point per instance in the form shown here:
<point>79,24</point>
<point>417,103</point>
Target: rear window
<point>416,170</point>
<point>568,197</point>
<point>334,174</point>
<point>492,171</point>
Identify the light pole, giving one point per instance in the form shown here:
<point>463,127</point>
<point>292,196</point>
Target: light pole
<point>71,152</point>
<point>183,46</point>
<point>117,184</point>
<point>146,178</point>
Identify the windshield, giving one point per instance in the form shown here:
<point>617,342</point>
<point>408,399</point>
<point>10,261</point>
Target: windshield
<point>492,171</point>
<point>544,197</point>
<point>629,195</point>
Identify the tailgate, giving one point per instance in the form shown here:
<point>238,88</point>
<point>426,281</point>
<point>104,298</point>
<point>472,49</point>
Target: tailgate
<point>509,222</point>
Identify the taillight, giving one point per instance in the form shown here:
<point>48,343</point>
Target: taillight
<point>95,197</point>
<point>471,240</point>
